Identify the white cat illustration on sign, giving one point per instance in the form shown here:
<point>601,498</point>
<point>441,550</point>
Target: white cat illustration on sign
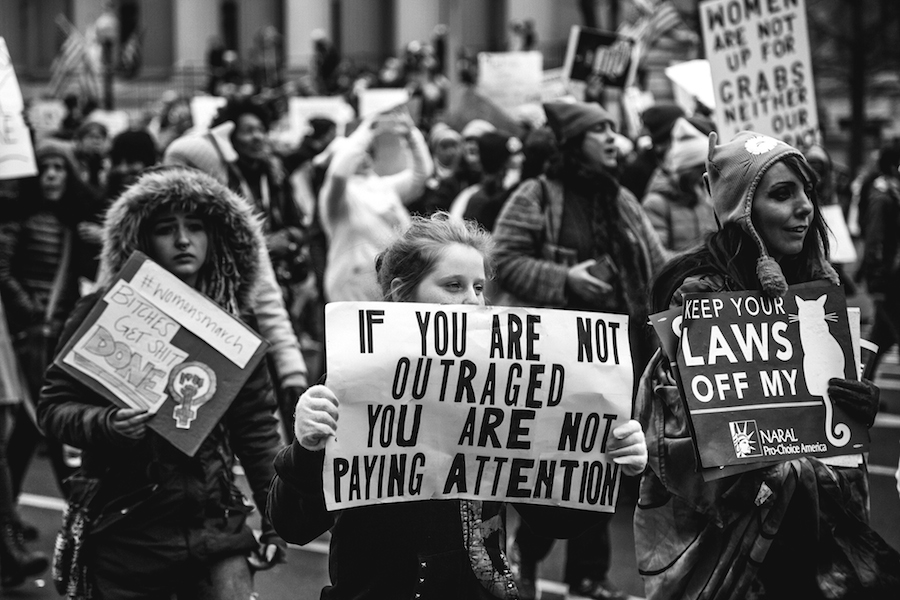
<point>822,358</point>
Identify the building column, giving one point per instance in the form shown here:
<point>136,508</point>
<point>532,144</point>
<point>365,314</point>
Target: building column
<point>301,18</point>
<point>194,22</point>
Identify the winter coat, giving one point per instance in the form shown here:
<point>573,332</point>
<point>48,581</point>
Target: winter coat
<point>148,486</point>
<point>428,550</point>
<point>731,537</point>
<point>532,266</point>
<point>681,220</point>
<point>881,260</point>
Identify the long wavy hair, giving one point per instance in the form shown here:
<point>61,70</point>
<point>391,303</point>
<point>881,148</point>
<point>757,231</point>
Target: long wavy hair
<point>732,253</point>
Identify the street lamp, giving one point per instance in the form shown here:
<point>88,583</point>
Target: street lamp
<point>107,28</point>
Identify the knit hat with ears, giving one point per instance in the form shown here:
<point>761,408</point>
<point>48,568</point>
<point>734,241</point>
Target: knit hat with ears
<point>733,172</point>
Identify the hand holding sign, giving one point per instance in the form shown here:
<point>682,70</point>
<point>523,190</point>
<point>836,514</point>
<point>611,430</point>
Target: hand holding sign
<point>315,418</point>
<point>628,448</point>
<point>130,422</point>
<point>580,280</point>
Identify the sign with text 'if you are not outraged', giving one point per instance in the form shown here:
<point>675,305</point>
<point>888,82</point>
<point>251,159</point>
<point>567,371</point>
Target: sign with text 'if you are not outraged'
<point>152,342</point>
<point>509,404</point>
<point>755,373</point>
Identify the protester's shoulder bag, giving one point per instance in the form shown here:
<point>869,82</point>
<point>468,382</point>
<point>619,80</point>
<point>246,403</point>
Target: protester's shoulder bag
<point>70,573</point>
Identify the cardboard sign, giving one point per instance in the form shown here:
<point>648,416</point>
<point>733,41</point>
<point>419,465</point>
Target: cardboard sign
<point>692,81</point>
<point>16,152</point>
<point>204,110</point>
<point>595,53</point>
<point>154,343</point>
<point>301,110</point>
<point>761,69</point>
<point>511,79</point>
<point>841,249</point>
<point>511,404</point>
<point>379,100</point>
<point>754,373</point>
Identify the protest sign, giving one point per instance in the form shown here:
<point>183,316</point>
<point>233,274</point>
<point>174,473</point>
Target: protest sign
<point>455,401</point>
<point>154,343</point>
<point>761,68</point>
<point>594,53</point>
<point>841,249</point>
<point>511,79</point>
<point>378,100</point>
<point>692,82</point>
<point>204,109</point>
<point>755,371</point>
<point>335,108</point>
<point>16,153</point>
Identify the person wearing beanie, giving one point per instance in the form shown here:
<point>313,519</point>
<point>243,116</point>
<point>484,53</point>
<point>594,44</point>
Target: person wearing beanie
<point>574,238</point>
<point>640,172</point>
<point>91,150</point>
<point>165,524</point>
<point>452,173</point>
<point>471,162</point>
<point>677,203</point>
<point>42,257</point>
<point>717,539</point>
<point>131,152</point>
<point>483,206</point>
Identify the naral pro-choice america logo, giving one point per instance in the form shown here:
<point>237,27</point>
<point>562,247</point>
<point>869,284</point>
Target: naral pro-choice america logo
<point>745,437</point>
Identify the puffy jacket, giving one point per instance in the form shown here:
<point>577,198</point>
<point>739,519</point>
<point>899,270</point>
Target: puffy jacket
<point>150,477</point>
<point>681,220</point>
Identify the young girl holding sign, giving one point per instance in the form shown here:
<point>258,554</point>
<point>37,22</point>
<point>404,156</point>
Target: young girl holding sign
<point>796,529</point>
<point>165,524</point>
<point>435,548</point>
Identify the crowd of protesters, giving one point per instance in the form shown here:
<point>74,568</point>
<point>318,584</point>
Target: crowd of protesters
<point>567,212</point>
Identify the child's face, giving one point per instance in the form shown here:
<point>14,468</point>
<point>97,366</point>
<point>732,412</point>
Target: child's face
<point>179,242</point>
<point>457,278</point>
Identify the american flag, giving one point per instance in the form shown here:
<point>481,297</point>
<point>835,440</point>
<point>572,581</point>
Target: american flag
<point>658,17</point>
<point>74,60</point>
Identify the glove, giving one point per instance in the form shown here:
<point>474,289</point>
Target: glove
<point>859,399</point>
<point>272,551</point>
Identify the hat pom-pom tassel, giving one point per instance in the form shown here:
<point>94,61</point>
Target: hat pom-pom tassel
<point>771,278</point>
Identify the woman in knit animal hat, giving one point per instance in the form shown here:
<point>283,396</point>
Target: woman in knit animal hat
<point>165,524</point>
<point>781,531</point>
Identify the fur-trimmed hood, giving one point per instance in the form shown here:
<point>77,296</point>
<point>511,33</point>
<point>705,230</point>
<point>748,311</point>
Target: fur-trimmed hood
<point>235,236</point>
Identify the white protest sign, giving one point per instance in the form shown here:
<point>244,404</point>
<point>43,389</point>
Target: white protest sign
<point>335,108</point>
<point>131,326</point>
<point>841,249</point>
<point>196,312</point>
<point>511,79</point>
<point>16,153</point>
<point>692,80</point>
<point>372,102</point>
<point>204,109</point>
<point>761,68</point>
<point>511,404</point>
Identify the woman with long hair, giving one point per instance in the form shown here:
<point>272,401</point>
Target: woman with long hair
<point>795,529</point>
